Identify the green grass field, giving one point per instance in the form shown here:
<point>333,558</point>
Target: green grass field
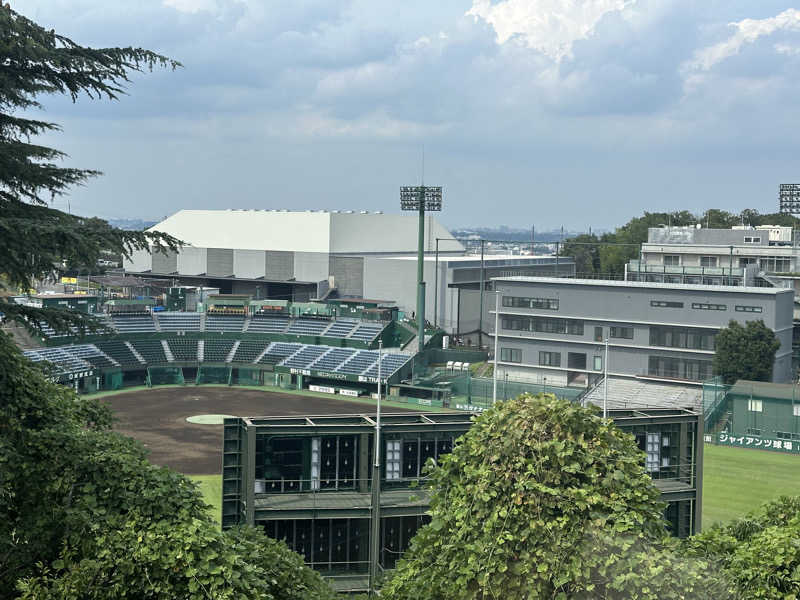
<point>735,481</point>
<point>211,488</point>
<point>738,480</point>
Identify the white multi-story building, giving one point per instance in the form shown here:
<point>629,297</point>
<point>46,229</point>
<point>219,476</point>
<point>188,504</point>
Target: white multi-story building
<point>556,328</point>
<point>763,255</point>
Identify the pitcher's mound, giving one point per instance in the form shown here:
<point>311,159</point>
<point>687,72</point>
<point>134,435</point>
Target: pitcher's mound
<point>209,419</point>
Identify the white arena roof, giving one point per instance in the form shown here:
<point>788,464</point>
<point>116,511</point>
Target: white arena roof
<point>303,231</point>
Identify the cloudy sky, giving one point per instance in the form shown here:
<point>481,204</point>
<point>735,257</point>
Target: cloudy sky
<point>548,112</point>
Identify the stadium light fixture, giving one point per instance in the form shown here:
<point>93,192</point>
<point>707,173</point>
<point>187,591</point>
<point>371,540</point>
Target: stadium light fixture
<point>420,198</point>
<point>412,196</point>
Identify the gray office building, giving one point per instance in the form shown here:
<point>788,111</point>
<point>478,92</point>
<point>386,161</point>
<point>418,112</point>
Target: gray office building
<point>555,328</point>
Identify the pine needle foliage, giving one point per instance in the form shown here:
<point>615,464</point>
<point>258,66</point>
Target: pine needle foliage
<point>36,239</point>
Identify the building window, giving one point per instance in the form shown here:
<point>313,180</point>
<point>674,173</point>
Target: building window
<point>682,337</point>
<point>543,325</point>
<point>672,260</point>
<point>521,302</point>
<point>653,460</point>
<point>707,306</point>
<point>754,431</point>
<point>511,355</point>
<point>550,359</point>
<point>708,261</point>
<point>665,304</point>
<point>755,406</point>
<point>574,327</point>
<point>598,363</point>
<point>750,309</point>
<point>746,261</point>
<point>752,240</point>
<point>622,332</point>
<point>796,410</point>
<point>775,265</point>
<point>393,451</point>
<point>598,334</point>
<point>679,368</point>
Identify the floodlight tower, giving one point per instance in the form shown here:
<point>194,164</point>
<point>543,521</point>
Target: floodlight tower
<point>421,198</point>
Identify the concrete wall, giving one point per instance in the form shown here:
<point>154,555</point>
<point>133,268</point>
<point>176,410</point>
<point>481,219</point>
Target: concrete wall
<point>311,266</point>
<point>380,233</point>
<point>279,265</point>
<point>249,264</point>
<point>140,261</point>
<point>220,262</point>
<point>348,274</point>
<point>192,260</point>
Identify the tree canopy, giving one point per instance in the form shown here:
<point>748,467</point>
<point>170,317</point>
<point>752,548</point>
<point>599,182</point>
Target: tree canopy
<point>758,554</point>
<point>83,514</point>
<point>745,352</point>
<point>542,498</point>
<point>35,239</point>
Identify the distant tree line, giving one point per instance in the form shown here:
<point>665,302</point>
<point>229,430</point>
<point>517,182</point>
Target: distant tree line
<point>606,254</point>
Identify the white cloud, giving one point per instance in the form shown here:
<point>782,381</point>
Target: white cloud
<point>550,26</point>
<point>747,32</point>
<point>192,6</point>
<point>787,49</point>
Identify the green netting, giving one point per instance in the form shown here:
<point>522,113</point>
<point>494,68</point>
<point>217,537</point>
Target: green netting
<point>714,402</point>
<point>478,391</point>
<point>112,380</point>
<point>247,377</point>
<point>213,375</point>
<point>164,376</point>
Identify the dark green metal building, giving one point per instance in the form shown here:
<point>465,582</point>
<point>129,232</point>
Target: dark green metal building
<point>306,480</point>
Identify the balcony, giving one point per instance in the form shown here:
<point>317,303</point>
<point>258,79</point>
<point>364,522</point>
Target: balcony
<point>635,266</point>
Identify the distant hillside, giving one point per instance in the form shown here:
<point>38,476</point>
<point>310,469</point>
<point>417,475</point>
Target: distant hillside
<point>131,224</point>
<point>510,234</point>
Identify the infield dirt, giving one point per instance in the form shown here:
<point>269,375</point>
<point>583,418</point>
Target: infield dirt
<point>157,418</point>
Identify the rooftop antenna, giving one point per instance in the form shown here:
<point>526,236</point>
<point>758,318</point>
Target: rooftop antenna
<point>422,183</point>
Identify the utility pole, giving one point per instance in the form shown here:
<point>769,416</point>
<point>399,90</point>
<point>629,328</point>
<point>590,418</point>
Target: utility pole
<point>480,314</point>
<point>436,287</point>
<point>605,383</point>
<point>375,524</point>
<point>496,337</point>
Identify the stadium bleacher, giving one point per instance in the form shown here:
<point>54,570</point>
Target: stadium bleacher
<point>117,350</point>
<point>93,355</point>
<point>216,350</point>
<point>151,350</point>
<point>234,323</point>
<point>133,323</point>
<point>179,321</point>
<point>360,362</point>
<point>305,326</point>
<point>341,328</point>
<point>333,359</point>
<point>277,351</point>
<point>183,350</point>
<point>62,359</point>
<point>389,364</point>
<point>306,356</point>
<point>366,332</point>
<point>249,351</point>
<point>268,324</point>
